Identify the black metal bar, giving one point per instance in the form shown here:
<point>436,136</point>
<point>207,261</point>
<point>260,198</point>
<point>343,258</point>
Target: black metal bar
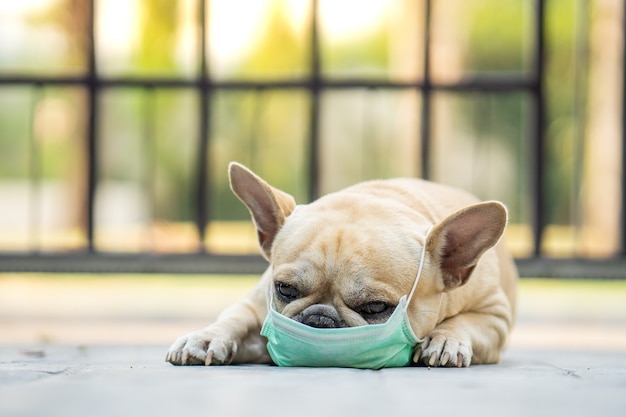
<point>98,262</point>
<point>537,153</point>
<point>202,171</point>
<point>622,243</point>
<point>425,116</point>
<point>92,127</point>
<point>480,83</point>
<point>84,262</point>
<point>572,268</point>
<point>314,84</point>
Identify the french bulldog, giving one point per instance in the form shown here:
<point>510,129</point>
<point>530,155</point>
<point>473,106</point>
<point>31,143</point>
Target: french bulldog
<point>347,258</point>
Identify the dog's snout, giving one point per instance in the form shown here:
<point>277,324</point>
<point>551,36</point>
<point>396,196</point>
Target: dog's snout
<point>321,321</point>
<point>320,316</point>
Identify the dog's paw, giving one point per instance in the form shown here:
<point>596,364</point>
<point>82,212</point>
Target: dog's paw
<point>442,350</point>
<point>202,348</point>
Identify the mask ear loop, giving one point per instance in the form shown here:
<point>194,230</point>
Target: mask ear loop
<point>270,299</point>
<point>419,269</point>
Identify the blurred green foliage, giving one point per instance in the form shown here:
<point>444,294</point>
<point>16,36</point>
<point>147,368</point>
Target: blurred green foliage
<point>157,37</point>
<point>499,42</point>
<point>279,51</point>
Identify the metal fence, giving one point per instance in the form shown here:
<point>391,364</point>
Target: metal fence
<point>206,86</point>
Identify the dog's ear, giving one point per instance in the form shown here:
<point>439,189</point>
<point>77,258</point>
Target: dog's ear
<point>458,242</point>
<point>268,206</point>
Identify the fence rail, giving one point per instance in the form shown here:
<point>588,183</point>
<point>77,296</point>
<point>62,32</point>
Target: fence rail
<point>205,263</point>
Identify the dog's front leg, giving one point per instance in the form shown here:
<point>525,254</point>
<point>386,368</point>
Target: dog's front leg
<point>233,338</point>
<point>469,337</point>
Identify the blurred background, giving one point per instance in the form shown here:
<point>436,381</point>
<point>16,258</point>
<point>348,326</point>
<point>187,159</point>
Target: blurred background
<point>118,119</point>
<point>117,122</point>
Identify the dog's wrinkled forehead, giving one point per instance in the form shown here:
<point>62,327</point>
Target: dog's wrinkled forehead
<point>328,236</point>
<point>337,244</point>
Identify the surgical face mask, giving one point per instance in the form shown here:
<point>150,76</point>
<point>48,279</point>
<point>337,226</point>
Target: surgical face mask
<point>373,346</point>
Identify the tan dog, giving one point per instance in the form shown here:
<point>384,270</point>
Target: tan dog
<point>347,258</point>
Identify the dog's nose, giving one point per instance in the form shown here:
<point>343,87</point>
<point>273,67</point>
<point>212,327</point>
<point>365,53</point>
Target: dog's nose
<point>321,321</point>
<point>321,316</point>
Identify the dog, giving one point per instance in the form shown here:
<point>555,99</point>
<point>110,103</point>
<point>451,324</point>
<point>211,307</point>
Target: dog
<point>346,259</point>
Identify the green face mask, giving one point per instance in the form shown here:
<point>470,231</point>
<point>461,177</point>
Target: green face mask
<point>374,346</point>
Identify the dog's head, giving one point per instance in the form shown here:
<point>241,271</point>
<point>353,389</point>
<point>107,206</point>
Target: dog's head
<point>346,260</point>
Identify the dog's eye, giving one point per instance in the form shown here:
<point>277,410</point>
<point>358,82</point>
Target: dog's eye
<point>288,292</point>
<point>375,307</point>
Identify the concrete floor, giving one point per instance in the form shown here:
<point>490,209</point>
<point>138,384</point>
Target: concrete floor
<point>134,381</point>
<point>96,347</point>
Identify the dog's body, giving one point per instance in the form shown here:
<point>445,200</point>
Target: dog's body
<point>347,258</point>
